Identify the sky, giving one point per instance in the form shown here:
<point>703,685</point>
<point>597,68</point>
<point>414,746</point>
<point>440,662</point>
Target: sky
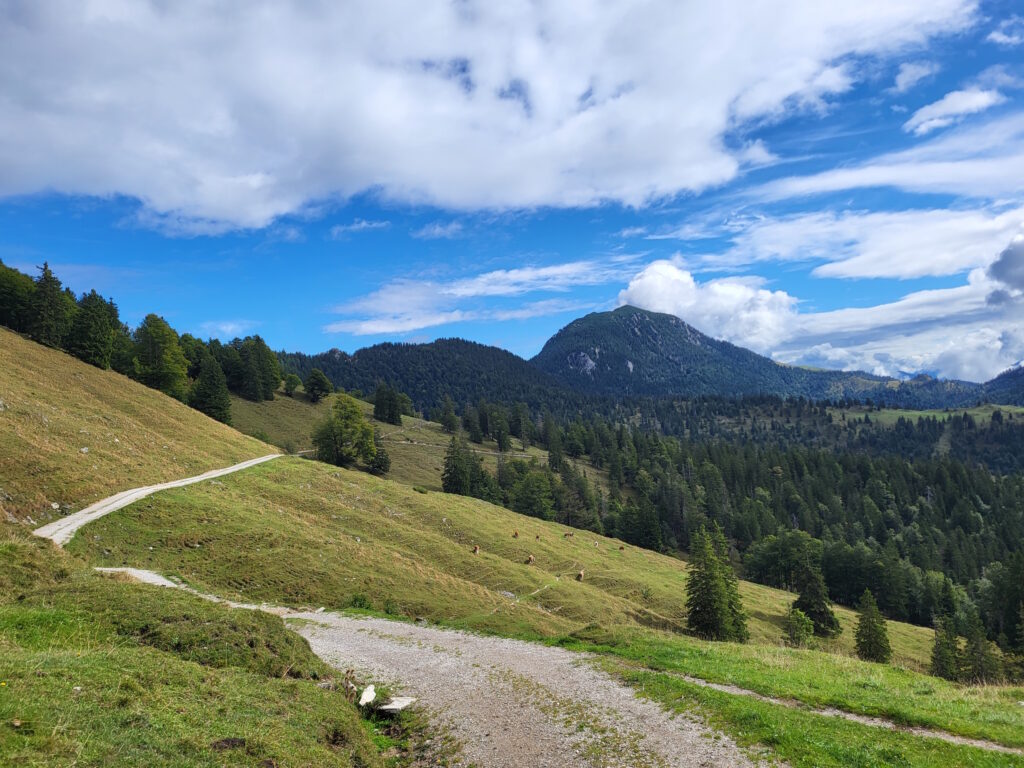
<point>832,184</point>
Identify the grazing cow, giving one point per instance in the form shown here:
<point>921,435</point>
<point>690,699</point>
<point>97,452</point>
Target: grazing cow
<point>597,545</point>
<point>529,560</point>
<point>538,537</point>
<point>579,576</point>
<point>568,535</point>
<point>476,549</point>
<point>515,534</point>
<point>622,548</point>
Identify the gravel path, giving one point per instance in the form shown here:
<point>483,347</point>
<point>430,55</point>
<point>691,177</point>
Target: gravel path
<point>512,703</point>
<point>61,531</point>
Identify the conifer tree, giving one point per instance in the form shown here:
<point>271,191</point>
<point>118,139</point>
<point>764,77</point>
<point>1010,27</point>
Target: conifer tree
<point>210,391</point>
<point>713,611</point>
<point>449,421</point>
<point>457,475</point>
<point>380,464</point>
<point>945,650</point>
<point>159,361</point>
<point>737,616</point>
<point>813,601</point>
<point>981,660</point>
<point>92,335</point>
<point>872,638</point>
<point>799,628</point>
<point>317,385</point>
<point>50,317</point>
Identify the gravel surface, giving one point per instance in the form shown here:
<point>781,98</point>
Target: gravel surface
<point>512,703</point>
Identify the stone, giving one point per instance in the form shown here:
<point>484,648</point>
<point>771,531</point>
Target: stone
<point>397,704</point>
<point>369,694</point>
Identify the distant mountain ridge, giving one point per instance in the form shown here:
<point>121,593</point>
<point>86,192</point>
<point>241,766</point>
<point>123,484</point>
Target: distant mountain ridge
<point>628,352</point>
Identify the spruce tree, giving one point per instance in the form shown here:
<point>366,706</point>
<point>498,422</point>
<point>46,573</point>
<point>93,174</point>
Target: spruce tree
<point>159,361</point>
<point>50,317</point>
<point>981,661</point>
<point>872,638</point>
<point>945,650</point>
<point>92,336</point>
<point>814,603</point>
<point>449,421</point>
<point>210,391</point>
<point>317,385</point>
<point>713,607</point>
<point>457,475</point>
<point>799,628</point>
<point>380,464</point>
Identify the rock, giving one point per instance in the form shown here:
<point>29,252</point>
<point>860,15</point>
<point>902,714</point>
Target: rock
<point>509,595</point>
<point>54,506</point>
<point>397,704</point>
<point>319,610</point>
<point>327,685</point>
<point>83,450</point>
<point>76,690</point>
<point>369,694</point>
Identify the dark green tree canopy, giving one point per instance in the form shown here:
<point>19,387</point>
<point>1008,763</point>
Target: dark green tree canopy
<point>872,637</point>
<point>317,385</point>
<point>159,361</point>
<point>92,331</point>
<point>209,392</point>
<point>345,436</point>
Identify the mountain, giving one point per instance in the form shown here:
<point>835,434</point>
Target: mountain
<point>604,357</point>
<point>632,351</point>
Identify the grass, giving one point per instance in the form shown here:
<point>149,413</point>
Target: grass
<point>417,447</point>
<point>73,434</point>
<point>889,416</point>
<point>95,672</point>
<point>321,536</point>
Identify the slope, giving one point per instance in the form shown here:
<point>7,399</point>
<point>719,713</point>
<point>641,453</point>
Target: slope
<point>72,434</point>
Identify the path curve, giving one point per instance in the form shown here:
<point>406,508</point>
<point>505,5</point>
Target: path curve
<point>61,531</point>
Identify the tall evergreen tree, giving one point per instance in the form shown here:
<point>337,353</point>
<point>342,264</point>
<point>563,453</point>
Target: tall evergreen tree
<point>386,405</point>
<point>813,601</point>
<point>945,650</point>
<point>209,392</point>
<point>16,298</point>
<point>712,611</point>
<point>380,464</point>
<point>92,335</point>
<point>159,361</point>
<point>737,616</point>
<point>449,421</point>
<point>872,638</point>
<point>50,314</point>
<point>457,475</point>
<point>981,661</point>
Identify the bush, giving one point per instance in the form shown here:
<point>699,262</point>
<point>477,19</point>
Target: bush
<point>799,628</point>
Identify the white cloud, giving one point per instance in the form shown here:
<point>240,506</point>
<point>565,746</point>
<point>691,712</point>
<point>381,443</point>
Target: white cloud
<point>407,305</point>
<point>1010,32</point>
<point>358,225</point>
<point>911,73</point>
<point>951,108</point>
<point>954,332</point>
<point>216,119</point>
<point>859,244</point>
<point>736,309</point>
<point>439,231</point>
<point>985,161</point>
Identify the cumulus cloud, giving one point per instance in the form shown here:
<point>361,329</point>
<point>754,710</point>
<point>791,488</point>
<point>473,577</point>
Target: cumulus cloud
<point>1008,269</point>
<point>216,119</point>
<point>952,332</point>
<point>952,107</point>
<point>911,73</point>
<point>736,309</point>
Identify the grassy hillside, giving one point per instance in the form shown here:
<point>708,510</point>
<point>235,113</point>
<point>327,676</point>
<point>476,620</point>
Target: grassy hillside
<point>71,434</point>
<point>96,672</point>
<point>417,447</point>
<point>303,533</point>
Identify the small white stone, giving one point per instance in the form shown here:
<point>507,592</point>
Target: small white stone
<point>369,694</point>
<point>83,450</point>
<point>54,505</point>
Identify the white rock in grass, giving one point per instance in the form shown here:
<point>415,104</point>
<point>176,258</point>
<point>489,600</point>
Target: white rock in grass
<point>369,694</point>
<point>398,703</point>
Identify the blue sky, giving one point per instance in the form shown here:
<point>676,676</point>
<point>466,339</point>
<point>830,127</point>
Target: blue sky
<point>839,186</point>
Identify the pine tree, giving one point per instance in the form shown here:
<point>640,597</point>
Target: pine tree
<point>381,462</point>
<point>210,391</point>
<point>813,601</point>
<point>737,616</point>
<point>457,475</point>
<point>981,661</point>
<point>713,607</point>
<point>945,650</point>
<point>317,385</point>
<point>872,638</point>
<point>159,361</point>
<point>92,336</point>
<point>50,317</point>
<point>449,421</point>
